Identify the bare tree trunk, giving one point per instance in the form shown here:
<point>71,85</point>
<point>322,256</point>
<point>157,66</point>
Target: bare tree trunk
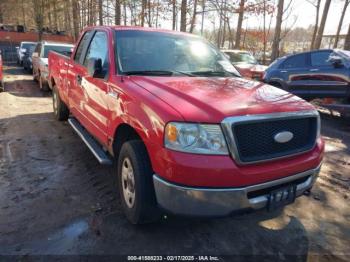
<point>125,18</point>
<point>183,15</point>
<point>174,14</point>
<point>55,16</point>
<point>347,40</point>
<point>117,12</point>
<point>75,8</point>
<point>239,24</point>
<point>193,20</point>
<point>143,8</point>
<point>264,40</point>
<point>157,14</point>
<point>38,16</point>
<point>100,11</point>
<point>277,36</point>
<point>316,24</point>
<point>149,13</point>
<point>346,3</point>
<point>23,13</point>
<point>322,25</point>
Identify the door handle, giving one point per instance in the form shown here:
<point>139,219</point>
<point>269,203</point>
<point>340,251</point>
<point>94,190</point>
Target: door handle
<point>314,70</point>
<point>79,79</point>
<point>283,71</point>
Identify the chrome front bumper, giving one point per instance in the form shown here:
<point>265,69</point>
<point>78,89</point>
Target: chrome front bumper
<point>192,201</point>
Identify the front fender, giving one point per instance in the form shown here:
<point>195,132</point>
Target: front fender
<point>145,113</point>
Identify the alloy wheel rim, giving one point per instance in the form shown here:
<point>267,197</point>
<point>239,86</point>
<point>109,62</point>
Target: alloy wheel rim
<point>128,183</point>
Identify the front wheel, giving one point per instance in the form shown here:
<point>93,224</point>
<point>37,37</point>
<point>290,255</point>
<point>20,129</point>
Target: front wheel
<point>135,183</point>
<point>42,84</point>
<point>60,110</point>
<point>34,76</point>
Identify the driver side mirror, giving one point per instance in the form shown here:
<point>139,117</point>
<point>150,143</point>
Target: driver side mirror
<point>336,61</point>
<point>94,67</point>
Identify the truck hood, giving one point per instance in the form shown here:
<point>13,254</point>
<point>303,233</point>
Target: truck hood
<point>210,100</point>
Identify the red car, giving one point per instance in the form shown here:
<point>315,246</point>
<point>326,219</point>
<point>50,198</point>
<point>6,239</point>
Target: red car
<point>246,64</point>
<point>189,136</point>
<point>1,75</point>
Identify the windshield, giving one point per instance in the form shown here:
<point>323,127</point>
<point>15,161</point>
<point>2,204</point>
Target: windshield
<point>241,57</point>
<point>57,48</point>
<point>151,52</point>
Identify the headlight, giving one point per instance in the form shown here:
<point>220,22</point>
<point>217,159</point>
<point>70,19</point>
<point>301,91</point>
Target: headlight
<point>195,138</point>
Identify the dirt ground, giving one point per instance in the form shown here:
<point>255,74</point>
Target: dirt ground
<point>55,199</point>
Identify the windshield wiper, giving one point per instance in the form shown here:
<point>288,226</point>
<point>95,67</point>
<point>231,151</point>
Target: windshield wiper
<point>157,73</point>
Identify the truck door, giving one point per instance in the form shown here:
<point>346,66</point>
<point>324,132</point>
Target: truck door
<point>96,109</point>
<point>75,73</point>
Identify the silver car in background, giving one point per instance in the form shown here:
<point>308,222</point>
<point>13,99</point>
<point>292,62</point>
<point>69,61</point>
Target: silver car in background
<point>22,49</point>
<point>40,60</point>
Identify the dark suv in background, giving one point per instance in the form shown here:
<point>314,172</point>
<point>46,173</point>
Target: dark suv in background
<point>314,74</point>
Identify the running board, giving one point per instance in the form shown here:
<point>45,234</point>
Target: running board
<point>91,143</point>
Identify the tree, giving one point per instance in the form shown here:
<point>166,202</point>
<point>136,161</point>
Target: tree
<point>100,12</point>
<point>38,8</point>
<point>239,24</point>
<point>347,40</point>
<point>183,15</point>
<point>277,35</point>
<point>143,10</point>
<point>174,13</point>
<point>75,8</point>
<point>193,20</point>
<point>317,5</point>
<point>318,40</point>
<point>117,16</point>
<point>346,4</point>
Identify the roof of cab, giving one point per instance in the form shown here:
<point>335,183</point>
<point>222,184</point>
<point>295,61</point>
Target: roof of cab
<point>55,43</point>
<point>137,28</point>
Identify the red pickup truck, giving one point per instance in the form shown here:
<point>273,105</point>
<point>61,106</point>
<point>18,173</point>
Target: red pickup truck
<point>188,134</point>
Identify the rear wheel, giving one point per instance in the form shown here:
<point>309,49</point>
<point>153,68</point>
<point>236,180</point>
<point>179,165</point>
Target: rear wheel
<point>60,109</point>
<point>135,183</point>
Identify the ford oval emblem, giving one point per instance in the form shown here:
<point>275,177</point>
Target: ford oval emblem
<point>283,137</point>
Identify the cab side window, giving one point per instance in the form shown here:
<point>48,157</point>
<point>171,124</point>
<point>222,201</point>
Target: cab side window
<point>98,49</point>
<point>297,61</point>
<point>82,44</point>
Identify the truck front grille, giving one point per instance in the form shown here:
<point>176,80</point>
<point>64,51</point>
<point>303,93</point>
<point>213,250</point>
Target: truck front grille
<point>252,139</point>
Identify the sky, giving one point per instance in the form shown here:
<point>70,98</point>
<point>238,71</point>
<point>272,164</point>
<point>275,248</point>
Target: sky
<point>305,13</point>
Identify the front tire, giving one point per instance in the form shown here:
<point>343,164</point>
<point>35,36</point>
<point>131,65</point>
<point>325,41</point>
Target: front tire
<point>135,183</point>
<point>35,79</point>
<point>60,110</point>
<point>43,85</point>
